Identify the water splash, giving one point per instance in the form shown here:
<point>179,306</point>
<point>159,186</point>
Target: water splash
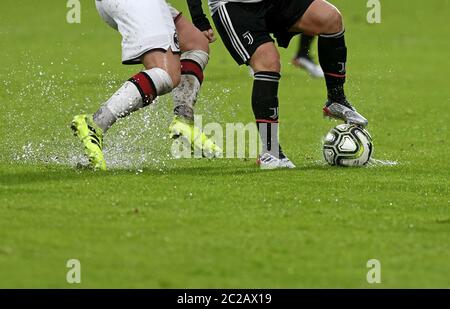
<point>45,105</point>
<point>377,163</point>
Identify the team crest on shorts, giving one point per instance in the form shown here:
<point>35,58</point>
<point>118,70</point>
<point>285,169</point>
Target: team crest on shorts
<point>248,36</point>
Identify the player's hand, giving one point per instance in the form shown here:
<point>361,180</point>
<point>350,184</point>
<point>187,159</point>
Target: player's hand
<point>209,34</point>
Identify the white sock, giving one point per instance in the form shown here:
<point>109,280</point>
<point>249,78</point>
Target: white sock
<point>136,93</point>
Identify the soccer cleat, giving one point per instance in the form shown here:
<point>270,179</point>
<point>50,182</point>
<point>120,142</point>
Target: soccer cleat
<point>84,127</point>
<point>308,65</point>
<point>268,161</point>
<point>185,130</point>
<point>344,111</point>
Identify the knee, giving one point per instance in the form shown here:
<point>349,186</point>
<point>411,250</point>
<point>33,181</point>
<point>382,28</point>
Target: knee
<point>266,59</point>
<point>267,65</point>
<point>321,18</point>
<point>273,66</point>
<point>332,22</point>
<point>197,42</point>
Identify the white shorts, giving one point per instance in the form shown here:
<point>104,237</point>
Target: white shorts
<point>145,25</point>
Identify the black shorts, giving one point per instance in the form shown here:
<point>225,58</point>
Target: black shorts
<point>244,27</point>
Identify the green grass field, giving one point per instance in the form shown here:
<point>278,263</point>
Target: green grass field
<point>152,221</point>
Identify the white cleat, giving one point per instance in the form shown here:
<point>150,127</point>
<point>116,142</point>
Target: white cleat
<point>308,65</point>
<point>268,161</point>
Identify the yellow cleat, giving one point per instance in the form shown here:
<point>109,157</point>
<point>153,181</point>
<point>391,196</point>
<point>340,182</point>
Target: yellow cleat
<point>185,130</point>
<point>84,127</point>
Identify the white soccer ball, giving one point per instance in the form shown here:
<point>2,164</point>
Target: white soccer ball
<point>347,145</point>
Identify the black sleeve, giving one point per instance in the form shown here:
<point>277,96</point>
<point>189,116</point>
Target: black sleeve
<point>198,16</point>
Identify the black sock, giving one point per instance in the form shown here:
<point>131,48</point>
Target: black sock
<point>305,46</point>
<point>265,109</point>
<point>333,58</point>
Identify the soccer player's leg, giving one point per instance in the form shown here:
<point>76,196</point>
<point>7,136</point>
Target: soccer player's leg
<point>303,58</point>
<point>323,19</point>
<point>265,62</point>
<point>243,31</point>
<point>160,57</point>
<point>194,58</point>
<point>159,78</point>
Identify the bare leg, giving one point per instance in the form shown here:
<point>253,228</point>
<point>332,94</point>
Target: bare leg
<point>320,18</point>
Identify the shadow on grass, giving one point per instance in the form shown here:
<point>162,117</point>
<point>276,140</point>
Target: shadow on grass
<point>26,174</point>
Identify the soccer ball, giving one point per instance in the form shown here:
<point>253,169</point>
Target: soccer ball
<point>347,145</point>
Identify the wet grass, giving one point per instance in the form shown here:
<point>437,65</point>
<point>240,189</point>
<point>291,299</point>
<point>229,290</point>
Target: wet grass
<point>152,221</point>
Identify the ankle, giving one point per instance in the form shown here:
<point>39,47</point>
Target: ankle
<point>337,94</point>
